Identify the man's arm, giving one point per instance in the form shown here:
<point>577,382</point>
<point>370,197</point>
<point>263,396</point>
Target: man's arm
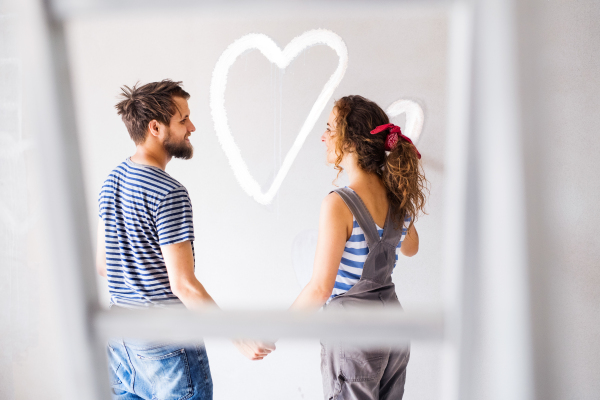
<point>101,250</point>
<point>179,260</point>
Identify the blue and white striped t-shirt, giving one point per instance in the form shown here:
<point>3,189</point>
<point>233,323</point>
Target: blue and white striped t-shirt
<point>143,208</point>
<point>354,257</point>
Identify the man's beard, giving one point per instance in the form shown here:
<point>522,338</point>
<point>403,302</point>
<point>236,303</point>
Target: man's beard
<point>182,149</point>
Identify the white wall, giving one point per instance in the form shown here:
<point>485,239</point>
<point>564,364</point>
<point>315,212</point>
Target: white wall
<point>244,249</point>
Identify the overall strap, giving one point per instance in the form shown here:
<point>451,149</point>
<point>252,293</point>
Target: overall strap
<point>391,233</point>
<point>362,215</point>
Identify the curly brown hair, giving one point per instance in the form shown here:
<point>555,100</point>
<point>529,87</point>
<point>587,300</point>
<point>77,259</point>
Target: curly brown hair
<point>401,171</point>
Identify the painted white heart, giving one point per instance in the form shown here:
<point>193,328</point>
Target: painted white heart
<point>282,59</point>
<point>414,117</point>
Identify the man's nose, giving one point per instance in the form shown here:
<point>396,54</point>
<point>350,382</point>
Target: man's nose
<point>192,128</point>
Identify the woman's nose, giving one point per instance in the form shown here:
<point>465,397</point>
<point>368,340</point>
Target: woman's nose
<point>323,137</point>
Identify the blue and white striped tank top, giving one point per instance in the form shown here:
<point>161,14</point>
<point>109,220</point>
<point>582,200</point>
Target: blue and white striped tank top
<point>354,257</point>
<point>143,208</point>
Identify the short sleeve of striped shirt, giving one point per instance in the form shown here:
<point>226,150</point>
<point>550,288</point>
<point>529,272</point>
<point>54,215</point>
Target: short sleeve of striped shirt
<point>174,218</point>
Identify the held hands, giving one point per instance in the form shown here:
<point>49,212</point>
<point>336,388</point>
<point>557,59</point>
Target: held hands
<point>254,349</point>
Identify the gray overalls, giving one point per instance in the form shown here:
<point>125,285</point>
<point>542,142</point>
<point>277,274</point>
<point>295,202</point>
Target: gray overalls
<point>351,372</point>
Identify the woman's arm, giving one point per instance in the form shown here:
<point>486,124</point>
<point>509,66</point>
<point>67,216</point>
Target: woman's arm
<point>410,244</point>
<point>334,231</point>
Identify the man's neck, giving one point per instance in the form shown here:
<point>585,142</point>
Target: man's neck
<point>152,157</point>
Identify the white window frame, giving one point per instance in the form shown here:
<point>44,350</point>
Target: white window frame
<point>479,85</point>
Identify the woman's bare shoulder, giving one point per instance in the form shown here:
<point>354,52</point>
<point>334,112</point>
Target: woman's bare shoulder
<point>333,207</point>
<point>334,204</point>
<point>335,213</point>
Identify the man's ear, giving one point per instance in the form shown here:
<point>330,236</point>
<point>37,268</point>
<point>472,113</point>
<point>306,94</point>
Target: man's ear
<point>153,128</point>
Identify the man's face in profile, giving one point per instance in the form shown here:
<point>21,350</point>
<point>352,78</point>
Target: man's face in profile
<point>177,142</point>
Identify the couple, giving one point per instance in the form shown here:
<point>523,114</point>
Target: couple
<point>146,245</point>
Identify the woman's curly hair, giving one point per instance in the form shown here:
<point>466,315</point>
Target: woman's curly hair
<point>400,170</point>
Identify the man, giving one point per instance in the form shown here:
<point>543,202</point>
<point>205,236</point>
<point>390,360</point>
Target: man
<point>146,247</point>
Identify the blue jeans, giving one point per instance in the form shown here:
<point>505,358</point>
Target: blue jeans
<point>161,371</point>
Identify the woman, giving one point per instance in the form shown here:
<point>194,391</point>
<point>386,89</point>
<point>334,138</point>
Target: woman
<point>360,229</point>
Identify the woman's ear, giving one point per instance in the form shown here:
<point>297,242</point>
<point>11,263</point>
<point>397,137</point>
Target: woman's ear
<point>349,148</point>
<point>153,128</point>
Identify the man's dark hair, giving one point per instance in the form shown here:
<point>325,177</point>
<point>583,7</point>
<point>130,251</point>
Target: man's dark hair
<point>143,104</point>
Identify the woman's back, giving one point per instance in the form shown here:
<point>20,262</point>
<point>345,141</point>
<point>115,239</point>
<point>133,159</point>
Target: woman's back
<point>356,249</point>
<point>374,195</point>
<point>372,192</point>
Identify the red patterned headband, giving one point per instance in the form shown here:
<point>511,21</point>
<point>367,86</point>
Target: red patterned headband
<point>393,135</point>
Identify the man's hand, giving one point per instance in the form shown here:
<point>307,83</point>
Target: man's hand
<point>254,349</point>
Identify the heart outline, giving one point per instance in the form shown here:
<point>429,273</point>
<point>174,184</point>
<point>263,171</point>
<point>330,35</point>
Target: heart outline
<point>282,59</point>
<point>415,117</point>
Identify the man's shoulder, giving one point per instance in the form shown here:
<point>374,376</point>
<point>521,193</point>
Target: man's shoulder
<point>130,176</point>
<point>114,176</point>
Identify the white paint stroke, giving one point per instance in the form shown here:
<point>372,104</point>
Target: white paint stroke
<point>282,59</point>
<point>414,117</point>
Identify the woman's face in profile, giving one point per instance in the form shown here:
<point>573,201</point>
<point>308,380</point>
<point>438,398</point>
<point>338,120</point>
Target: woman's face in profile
<point>329,137</point>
